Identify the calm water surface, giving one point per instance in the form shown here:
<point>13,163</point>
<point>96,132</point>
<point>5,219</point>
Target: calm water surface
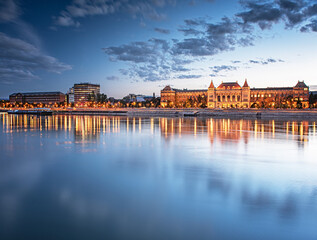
<point>99,177</point>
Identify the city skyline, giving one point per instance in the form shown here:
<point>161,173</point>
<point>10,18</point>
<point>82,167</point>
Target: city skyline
<point>145,45</point>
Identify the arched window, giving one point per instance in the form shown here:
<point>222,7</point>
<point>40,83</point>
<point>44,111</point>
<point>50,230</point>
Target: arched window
<point>223,98</point>
<point>219,99</point>
<point>238,98</point>
<point>228,98</point>
<point>233,98</point>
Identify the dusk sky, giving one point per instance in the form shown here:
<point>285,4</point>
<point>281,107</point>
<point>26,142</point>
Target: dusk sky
<point>130,46</point>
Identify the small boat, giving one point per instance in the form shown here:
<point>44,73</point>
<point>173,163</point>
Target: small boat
<point>190,114</point>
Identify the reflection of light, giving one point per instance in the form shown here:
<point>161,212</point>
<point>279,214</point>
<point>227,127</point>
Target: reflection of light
<point>241,122</point>
<point>152,125</point>
<point>113,129</point>
<point>314,128</point>
<point>273,128</point>
<point>293,128</point>
<point>165,120</point>
<point>133,124</point>
<point>140,124</point>
<point>180,126</point>
<point>262,130</point>
<point>104,125</point>
<point>127,124</point>
<point>65,123</point>
<point>287,129</point>
<point>25,120</point>
<point>255,128</point>
<point>172,126</point>
<point>195,126</point>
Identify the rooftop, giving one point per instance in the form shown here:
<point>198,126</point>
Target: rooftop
<point>301,85</point>
<point>36,93</point>
<point>229,85</point>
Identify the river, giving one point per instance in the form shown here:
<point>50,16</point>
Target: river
<point>109,177</point>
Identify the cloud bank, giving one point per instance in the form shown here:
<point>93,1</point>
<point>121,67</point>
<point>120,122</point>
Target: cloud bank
<point>83,8</point>
<point>155,61</point>
<point>20,60</point>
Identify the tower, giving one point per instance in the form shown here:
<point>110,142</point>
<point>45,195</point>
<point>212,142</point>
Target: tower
<point>211,96</point>
<point>246,95</point>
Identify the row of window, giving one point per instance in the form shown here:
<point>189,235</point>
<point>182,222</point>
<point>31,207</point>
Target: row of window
<point>272,95</point>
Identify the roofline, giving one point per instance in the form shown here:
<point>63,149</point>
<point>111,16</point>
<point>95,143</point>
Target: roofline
<point>33,93</point>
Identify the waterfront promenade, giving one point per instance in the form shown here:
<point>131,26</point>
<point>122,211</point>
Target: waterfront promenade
<point>191,112</point>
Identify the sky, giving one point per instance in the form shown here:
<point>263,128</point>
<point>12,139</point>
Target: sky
<point>139,46</point>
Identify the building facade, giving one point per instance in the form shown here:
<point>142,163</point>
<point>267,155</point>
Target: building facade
<point>70,95</point>
<point>232,95</point>
<point>178,97</point>
<point>37,97</point>
<point>84,91</point>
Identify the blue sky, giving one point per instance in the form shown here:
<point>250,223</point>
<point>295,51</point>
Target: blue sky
<point>131,46</point>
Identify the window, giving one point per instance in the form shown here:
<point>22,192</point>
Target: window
<point>228,98</point>
<point>219,100</point>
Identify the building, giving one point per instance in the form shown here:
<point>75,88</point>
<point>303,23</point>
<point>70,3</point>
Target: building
<point>38,97</point>
<point>178,97</point>
<point>70,96</point>
<point>232,95</point>
<point>83,92</point>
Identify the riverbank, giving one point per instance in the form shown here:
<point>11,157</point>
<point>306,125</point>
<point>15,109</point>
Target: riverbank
<point>216,113</point>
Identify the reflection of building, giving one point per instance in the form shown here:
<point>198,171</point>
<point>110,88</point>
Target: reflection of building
<point>233,130</point>
<point>38,97</point>
<point>232,95</point>
<point>83,91</point>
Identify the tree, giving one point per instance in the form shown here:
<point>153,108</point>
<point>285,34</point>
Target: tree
<point>101,98</point>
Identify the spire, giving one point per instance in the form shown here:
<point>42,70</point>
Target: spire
<point>211,85</point>
<point>245,83</point>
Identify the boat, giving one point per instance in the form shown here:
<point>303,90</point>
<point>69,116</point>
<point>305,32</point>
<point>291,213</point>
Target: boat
<point>190,114</point>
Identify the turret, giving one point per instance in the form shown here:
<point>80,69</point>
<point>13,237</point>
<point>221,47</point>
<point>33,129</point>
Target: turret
<point>246,94</point>
<point>211,95</point>
<point>245,84</point>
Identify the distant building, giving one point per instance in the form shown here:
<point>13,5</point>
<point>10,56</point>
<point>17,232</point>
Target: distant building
<point>70,96</point>
<point>38,97</point>
<point>136,98</point>
<point>83,91</point>
<point>232,95</point>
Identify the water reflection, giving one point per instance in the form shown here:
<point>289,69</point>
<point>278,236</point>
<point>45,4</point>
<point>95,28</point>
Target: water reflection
<point>89,128</point>
<point>101,177</point>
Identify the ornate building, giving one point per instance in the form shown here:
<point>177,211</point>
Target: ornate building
<point>232,95</point>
